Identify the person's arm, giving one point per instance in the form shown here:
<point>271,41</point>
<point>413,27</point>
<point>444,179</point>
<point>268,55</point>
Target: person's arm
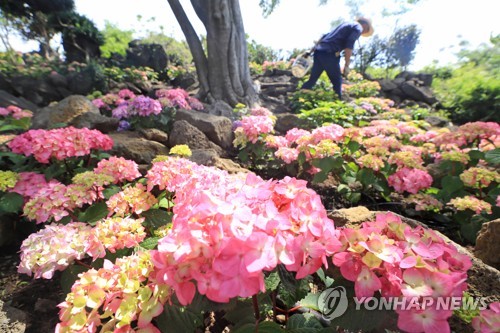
<point>347,59</point>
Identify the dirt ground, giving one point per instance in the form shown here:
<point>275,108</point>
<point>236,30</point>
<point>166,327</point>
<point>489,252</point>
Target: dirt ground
<point>37,299</point>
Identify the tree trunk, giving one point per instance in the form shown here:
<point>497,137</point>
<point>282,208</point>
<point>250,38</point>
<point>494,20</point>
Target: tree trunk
<point>228,70</point>
<point>224,70</point>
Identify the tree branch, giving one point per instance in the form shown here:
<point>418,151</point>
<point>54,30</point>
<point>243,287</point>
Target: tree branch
<point>194,44</point>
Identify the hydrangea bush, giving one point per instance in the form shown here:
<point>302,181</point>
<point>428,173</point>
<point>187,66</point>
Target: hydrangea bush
<point>186,231</point>
<point>438,171</point>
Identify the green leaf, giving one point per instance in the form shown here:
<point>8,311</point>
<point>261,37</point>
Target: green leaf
<point>11,202</point>
<point>150,243</point>
<point>320,177</point>
<point>452,186</point>
<point>110,191</point>
<point>201,304</point>
<point>353,197</point>
<point>291,290</point>
<point>272,281</point>
<point>263,327</point>
<point>476,155</point>
<point>23,123</point>
<point>493,156</point>
<point>366,177</point>
<point>165,203</point>
<point>470,229</point>
<point>176,318</point>
<point>69,276</point>
<point>303,323</point>
<point>94,213</point>
<point>343,188</point>
<point>310,301</point>
<point>328,163</point>
<point>241,315</point>
<point>16,159</point>
<point>9,127</point>
<point>54,170</point>
<point>156,218</point>
<point>328,281</point>
<point>353,146</point>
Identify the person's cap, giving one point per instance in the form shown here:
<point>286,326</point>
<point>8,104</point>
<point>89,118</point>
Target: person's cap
<point>368,22</point>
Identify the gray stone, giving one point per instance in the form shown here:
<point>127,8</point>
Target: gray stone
<point>38,91</point>
<point>387,85</point>
<point>398,81</point>
<point>63,112</point>
<point>147,55</point>
<point>220,108</point>
<point>437,121</point>
<point>155,134</point>
<point>218,129</point>
<point>57,80</point>
<point>488,245</point>
<point>184,133</point>
<point>287,121</point>
<point>12,320</point>
<point>132,146</point>
<point>185,80</point>
<point>418,93</point>
<point>426,79</point>
<point>81,83</point>
<point>209,157</point>
<point>95,121</point>
<point>7,99</point>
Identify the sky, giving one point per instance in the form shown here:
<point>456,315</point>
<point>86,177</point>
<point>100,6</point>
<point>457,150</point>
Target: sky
<point>298,23</point>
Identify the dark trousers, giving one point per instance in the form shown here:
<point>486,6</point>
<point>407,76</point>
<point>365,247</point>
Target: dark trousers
<point>329,62</point>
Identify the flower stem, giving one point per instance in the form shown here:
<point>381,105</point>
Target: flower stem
<point>256,312</point>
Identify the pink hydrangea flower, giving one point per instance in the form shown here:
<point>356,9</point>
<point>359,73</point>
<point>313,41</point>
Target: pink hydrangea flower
<point>254,126</point>
<point>114,234</point>
<point>428,320</point>
<point>235,228</point>
<point>59,143</point>
<point>488,320</point>
<point>331,132</point>
<point>261,111</point>
<point>132,200</point>
<point>275,142</point>
<point>288,155</point>
<point>29,184</point>
<point>15,112</point>
<point>126,94</point>
<point>295,133</point>
<point>53,249</point>
<point>410,180</point>
<point>100,103</point>
<point>177,97</point>
<point>195,104</point>
<point>119,168</point>
<point>121,291</point>
<point>470,203</point>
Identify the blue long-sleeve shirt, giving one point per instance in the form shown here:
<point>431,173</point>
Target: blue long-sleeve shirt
<point>340,38</point>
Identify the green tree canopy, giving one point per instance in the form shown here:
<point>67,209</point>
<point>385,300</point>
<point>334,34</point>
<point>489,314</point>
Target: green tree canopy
<point>115,40</point>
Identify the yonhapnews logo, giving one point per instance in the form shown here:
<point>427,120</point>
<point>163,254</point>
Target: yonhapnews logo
<point>333,303</point>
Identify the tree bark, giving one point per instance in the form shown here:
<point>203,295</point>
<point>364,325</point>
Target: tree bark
<point>228,70</point>
<point>224,74</point>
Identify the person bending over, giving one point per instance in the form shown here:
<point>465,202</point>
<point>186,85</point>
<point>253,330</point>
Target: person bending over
<point>327,52</point>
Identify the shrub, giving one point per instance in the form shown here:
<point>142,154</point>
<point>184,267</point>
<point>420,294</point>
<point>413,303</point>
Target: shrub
<point>471,94</point>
